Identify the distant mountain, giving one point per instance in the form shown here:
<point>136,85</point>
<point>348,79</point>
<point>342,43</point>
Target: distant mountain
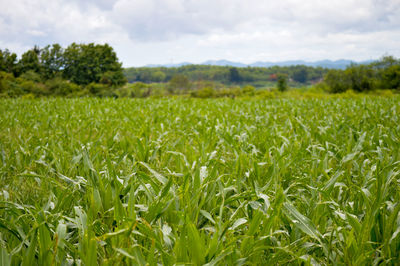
<point>169,65</point>
<point>338,64</point>
<point>223,63</point>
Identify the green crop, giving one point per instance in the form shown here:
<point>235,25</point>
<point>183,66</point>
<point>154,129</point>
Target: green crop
<point>184,181</point>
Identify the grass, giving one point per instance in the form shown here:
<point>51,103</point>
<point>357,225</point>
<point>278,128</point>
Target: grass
<point>186,181</point>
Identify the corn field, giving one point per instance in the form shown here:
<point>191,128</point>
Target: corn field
<point>194,182</point>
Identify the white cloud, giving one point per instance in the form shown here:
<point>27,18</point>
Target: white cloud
<point>158,31</point>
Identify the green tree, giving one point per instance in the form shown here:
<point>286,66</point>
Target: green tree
<point>88,63</point>
<point>51,60</point>
<point>390,78</point>
<point>282,82</point>
<point>8,62</point>
<point>5,80</point>
<point>336,81</point>
<point>158,76</point>
<point>30,61</point>
<point>360,77</point>
<point>248,90</point>
<point>300,74</point>
<point>180,83</point>
<point>234,75</point>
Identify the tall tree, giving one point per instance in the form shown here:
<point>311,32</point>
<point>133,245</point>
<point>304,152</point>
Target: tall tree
<point>30,61</point>
<point>8,62</point>
<point>234,75</point>
<point>51,60</point>
<point>87,63</point>
<point>282,82</point>
<point>300,74</point>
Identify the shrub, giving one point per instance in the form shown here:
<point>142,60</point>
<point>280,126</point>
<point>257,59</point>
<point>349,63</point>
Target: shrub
<point>248,90</point>
<point>61,87</point>
<point>206,92</point>
<point>135,90</point>
<point>28,86</point>
<point>282,82</point>
<point>32,76</point>
<point>5,79</point>
<point>100,90</point>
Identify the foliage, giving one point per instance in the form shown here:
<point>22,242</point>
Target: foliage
<point>60,87</point>
<point>224,74</point>
<point>5,80</point>
<point>8,62</point>
<point>187,181</point>
<point>282,82</point>
<point>381,75</point>
<point>206,92</point>
<point>30,61</point>
<point>179,83</point>
<point>248,90</point>
<point>234,75</point>
<point>60,72</point>
<point>135,90</point>
<point>87,63</point>
<point>300,74</point>
<point>52,61</point>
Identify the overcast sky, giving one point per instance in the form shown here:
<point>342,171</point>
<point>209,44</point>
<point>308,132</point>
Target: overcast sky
<point>171,31</point>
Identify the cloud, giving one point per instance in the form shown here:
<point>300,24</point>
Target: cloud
<point>156,19</point>
<point>208,28</point>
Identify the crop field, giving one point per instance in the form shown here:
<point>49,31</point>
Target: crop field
<point>186,181</point>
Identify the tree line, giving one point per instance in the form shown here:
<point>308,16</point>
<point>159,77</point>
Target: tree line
<point>94,70</point>
<point>383,74</point>
<point>226,74</point>
<point>54,70</point>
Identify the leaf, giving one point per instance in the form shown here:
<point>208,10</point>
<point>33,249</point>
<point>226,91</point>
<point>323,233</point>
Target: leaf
<point>329,184</point>
<point>353,221</point>
<point>157,175</point>
<point>207,215</point>
<point>238,223</point>
<point>125,253</point>
<point>349,157</point>
<point>196,243</point>
<point>301,221</point>
<point>5,258</point>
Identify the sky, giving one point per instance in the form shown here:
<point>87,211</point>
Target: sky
<point>172,31</point>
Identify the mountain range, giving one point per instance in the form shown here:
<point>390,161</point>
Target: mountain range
<point>338,64</point>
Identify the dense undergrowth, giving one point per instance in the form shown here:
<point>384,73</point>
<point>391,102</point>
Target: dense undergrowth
<point>218,181</point>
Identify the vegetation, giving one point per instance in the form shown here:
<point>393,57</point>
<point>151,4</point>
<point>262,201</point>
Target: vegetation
<point>217,181</point>
<point>380,75</point>
<point>55,71</point>
<point>282,82</point>
<point>256,76</point>
<point>93,70</point>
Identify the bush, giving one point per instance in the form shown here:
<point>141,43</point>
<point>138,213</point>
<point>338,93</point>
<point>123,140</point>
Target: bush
<point>32,76</point>
<point>28,86</point>
<point>282,82</point>
<point>61,87</point>
<point>179,83</point>
<point>100,90</point>
<point>248,90</point>
<point>337,81</point>
<point>390,78</point>
<point>135,90</point>
<point>113,78</point>
<point>266,94</point>
<point>206,92</point>
<point>5,79</point>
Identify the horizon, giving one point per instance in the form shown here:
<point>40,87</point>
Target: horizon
<point>216,62</point>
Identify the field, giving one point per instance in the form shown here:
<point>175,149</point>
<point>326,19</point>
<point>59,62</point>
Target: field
<point>186,181</point>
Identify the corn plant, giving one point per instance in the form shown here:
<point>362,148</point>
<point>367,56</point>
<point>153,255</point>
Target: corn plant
<point>213,182</point>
